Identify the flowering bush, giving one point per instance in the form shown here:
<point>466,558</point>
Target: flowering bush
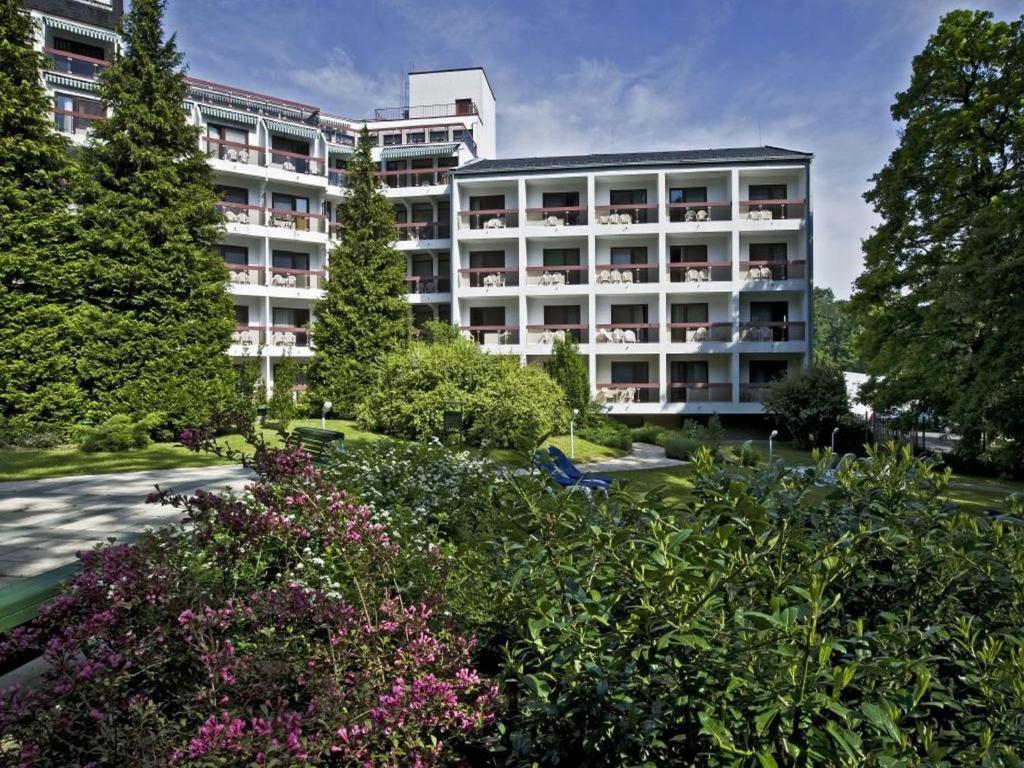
<point>270,631</point>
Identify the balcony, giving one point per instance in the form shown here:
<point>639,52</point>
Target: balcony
<point>289,336</point>
<point>767,210</point>
<point>627,333</point>
<point>75,63</point>
<point>295,162</point>
<point>233,151</point>
<point>772,270</point>
<point>249,337</point>
<point>337,177</point>
<point>549,332</point>
<point>296,221</point>
<point>700,271</point>
<point>612,274</point>
<point>551,276</point>
<point>753,393</point>
<point>489,277</point>
<point>768,331</point>
<point>418,284</point>
<point>491,335</point>
<point>700,392</point>
<point>696,333</point>
<point>699,212</point>
<point>414,177</point>
<point>411,231</point>
<point>241,213</point>
<point>563,216</point>
<point>617,393</point>
<point>630,213</point>
<point>494,218</point>
<point>422,111</point>
<point>284,277</point>
<point>245,274</point>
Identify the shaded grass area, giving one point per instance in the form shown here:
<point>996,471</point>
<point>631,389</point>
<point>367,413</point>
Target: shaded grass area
<point>585,451</point>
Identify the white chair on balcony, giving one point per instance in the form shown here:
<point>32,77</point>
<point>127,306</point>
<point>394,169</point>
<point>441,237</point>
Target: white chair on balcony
<point>278,281</point>
<point>627,276</point>
<point>690,215</point>
<point>250,338</point>
<point>546,336</point>
<point>627,394</point>
<point>629,336</point>
<point>553,221</point>
<point>613,218</point>
<point>604,276</point>
<point>285,222</point>
<point>603,218</point>
<point>754,273</point>
<point>558,278</point>
<point>277,338</point>
<point>467,335</point>
<point>618,335</point>
<point>702,215</point>
<point>699,334</point>
<point>236,337</point>
<point>494,223</point>
<point>766,273</point>
<point>289,339</point>
<point>625,218</point>
<point>288,165</point>
<point>559,335</point>
<point>616,276</point>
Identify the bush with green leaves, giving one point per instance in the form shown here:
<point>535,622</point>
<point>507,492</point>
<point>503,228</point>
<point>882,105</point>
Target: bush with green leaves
<point>519,410</point>
<point>118,433</point>
<point>762,621</point>
<point>570,369</point>
<point>283,407</point>
<point>809,403</point>
<point>606,431</point>
<point>648,433</point>
<point>684,442</point>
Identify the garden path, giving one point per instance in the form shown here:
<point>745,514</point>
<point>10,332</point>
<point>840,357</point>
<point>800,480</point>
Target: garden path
<point>44,522</point>
<point>643,456</point>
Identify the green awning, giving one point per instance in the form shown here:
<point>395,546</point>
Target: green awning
<point>64,81</point>
<point>340,149</point>
<point>226,114</point>
<point>418,150</point>
<point>67,26</point>
<point>290,129</point>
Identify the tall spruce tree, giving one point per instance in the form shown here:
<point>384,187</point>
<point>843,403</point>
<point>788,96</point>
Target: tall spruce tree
<point>37,374</point>
<point>940,296</point>
<point>156,318</point>
<point>569,368</point>
<point>364,313</point>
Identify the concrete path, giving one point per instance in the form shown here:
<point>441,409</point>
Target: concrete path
<point>643,456</point>
<point>44,522</point>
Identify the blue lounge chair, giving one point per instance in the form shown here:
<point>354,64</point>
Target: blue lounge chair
<point>587,484</point>
<point>565,464</point>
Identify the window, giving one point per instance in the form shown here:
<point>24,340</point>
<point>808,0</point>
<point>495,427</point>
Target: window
<point>629,314</point>
<point>416,138</point>
<point>767,252</point>
<point>80,49</point>
<point>236,195</point>
<point>464,107</point>
<point>421,314</point>
<point>769,311</point>
<point>629,373</point>
<point>561,200</point>
<point>374,139</point>
<point>689,313</point>
<point>560,257</point>
<point>487,203</point>
<point>225,142</point>
<point>637,255</point>
<point>628,197</point>
<point>487,316</point>
<point>233,254</point>
<point>423,265</point>
<point>422,212</point>
<point>392,139</point>
<point>688,254</point>
<point>241,314</point>
<point>438,134</point>
<point>444,313</point>
<point>291,318</point>
<point>290,203</point>
<point>462,134</point>
<point>690,372</point>
<point>764,371</point>
<point>401,214</point>
<point>444,219</point>
<point>291,154</point>
<point>767,192</point>
<point>688,195</point>
<point>74,114</point>
<point>487,259</point>
<point>290,260</point>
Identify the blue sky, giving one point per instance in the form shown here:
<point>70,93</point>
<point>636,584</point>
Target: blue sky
<point>576,77</point>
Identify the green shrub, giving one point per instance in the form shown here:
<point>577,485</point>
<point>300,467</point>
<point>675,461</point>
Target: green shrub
<point>118,433</point>
<point>648,433</point>
<point>606,431</point>
<point>519,410</point>
<point>679,445</point>
<point>745,455</point>
<point>810,403</point>
<point>283,407</point>
<point>570,369</point>
<point>684,442</point>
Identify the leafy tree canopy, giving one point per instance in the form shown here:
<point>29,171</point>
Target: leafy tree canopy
<point>835,330</point>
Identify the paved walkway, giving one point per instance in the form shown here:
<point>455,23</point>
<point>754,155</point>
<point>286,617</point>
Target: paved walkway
<point>643,456</point>
<point>44,522</point>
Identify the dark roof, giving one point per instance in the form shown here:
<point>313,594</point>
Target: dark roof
<point>621,159</point>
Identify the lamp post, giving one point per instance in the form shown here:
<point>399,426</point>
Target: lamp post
<point>834,433</point>
<point>323,413</point>
<point>572,433</point>
<point>772,436</point>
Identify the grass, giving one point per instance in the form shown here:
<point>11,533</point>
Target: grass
<point>585,451</point>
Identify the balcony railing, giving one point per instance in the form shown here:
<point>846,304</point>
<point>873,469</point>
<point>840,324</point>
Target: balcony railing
<point>75,63</point>
<point>69,121</point>
<point>766,210</point>
<point>489,277</point>
<point>241,213</point>
<point>700,392</point>
<point>247,336</point>
<point>547,333</point>
<point>700,271</point>
<point>698,212</point>
<point>625,393</point>
<point>766,331</point>
<point>286,277</point>
<point>428,284</point>
<point>566,216</point>
<point>234,151</point>
<point>414,177</point>
<point>421,111</point>
<point>424,230</point>
<point>563,274</point>
<point>772,270</point>
<point>695,333</point>
<point>289,336</point>
<point>627,333</point>
<point>753,393</point>
<point>245,274</point>
<point>337,176</point>
<point>299,221</point>
<point>295,162</point>
<point>494,218</point>
<point>627,273</point>
<point>632,213</point>
<point>497,335</point>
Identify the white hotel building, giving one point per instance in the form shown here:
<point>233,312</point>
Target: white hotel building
<point>685,276</point>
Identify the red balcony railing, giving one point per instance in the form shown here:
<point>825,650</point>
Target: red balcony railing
<point>424,230</point>
<point>693,333</point>
<point>493,218</point>
<point>241,213</point>
<point>413,177</point>
<point>245,274</point>
<point>631,213</point>
<point>753,393</point>
<point>421,111</point>
<point>624,393</point>
<point>75,63</point>
<point>489,277</point>
<point>763,330</point>
<point>698,212</point>
<point>772,270</point>
<point>286,277</point>
<point>295,162</point>
<point>299,221</point>
<point>70,121</point>
<point>564,216</point>
<point>289,336</point>
<point>428,284</point>
<point>700,392</point>
<point>563,274</point>
<point>772,209</point>
<point>498,335</point>
<point>700,271</point>
<point>546,333</point>
<point>247,336</point>
<point>627,273</point>
<point>234,151</point>
<point>627,333</point>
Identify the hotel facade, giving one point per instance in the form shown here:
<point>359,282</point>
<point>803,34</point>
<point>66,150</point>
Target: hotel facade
<point>684,276</point>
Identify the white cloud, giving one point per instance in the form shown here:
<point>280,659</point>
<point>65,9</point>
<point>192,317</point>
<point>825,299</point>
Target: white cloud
<point>339,81</point>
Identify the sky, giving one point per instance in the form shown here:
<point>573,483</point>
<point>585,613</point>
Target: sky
<point>628,75</point>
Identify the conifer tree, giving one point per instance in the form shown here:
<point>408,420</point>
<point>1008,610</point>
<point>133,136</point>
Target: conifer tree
<point>37,375</point>
<point>156,319</point>
<point>569,368</point>
<point>364,314</point>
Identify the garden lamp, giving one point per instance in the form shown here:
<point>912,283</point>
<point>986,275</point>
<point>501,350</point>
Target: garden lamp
<point>572,433</point>
<point>834,433</point>
<point>323,413</point>
<point>772,436</point>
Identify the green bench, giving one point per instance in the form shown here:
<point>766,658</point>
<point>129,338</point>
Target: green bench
<point>319,443</point>
<point>21,601</point>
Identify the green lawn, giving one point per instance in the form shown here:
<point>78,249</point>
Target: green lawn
<point>585,451</point>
